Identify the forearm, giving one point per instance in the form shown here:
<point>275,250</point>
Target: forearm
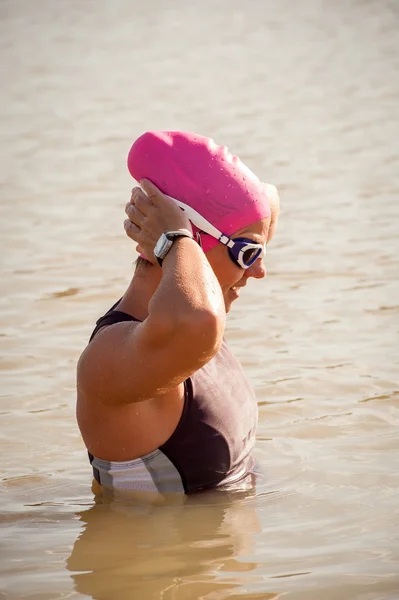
<point>189,295</point>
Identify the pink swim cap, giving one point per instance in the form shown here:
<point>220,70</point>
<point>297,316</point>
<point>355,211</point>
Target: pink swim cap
<point>194,170</point>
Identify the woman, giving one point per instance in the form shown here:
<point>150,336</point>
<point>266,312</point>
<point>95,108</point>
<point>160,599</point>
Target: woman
<point>162,404</point>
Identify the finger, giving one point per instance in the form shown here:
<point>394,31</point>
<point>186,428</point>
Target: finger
<point>131,210</point>
<point>134,214</point>
<point>151,190</point>
<point>142,201</point>
<point>131,230</point>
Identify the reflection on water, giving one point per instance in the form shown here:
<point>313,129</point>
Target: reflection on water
<point>177,550</point>
<point>306,93</point>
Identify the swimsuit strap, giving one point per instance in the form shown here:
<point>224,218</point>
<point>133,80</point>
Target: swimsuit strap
<point>110,318</point>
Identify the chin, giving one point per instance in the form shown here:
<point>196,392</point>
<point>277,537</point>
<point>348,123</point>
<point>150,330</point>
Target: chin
<point>227,305</point>
<point>229,297</point>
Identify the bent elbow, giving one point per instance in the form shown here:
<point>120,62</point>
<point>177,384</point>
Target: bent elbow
<point>206,329</point>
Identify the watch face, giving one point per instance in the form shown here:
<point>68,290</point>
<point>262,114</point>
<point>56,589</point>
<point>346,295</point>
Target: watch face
<point>165,242</point>
<point>162,246</point>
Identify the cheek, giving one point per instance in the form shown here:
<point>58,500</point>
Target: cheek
<point>232,275</point>
<point>227,273</point>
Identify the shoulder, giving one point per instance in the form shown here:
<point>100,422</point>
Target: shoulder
<point>131,361</point>
<point>112,317</point>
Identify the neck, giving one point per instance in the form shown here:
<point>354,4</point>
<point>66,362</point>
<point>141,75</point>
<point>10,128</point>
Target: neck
<point>142,287</point>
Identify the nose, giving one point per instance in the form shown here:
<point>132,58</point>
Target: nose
<point>257,270</point>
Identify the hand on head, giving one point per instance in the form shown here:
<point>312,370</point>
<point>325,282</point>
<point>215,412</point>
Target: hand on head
<point>150,213</point>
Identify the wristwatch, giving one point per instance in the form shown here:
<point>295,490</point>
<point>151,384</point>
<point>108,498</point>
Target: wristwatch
<point>166,240</point>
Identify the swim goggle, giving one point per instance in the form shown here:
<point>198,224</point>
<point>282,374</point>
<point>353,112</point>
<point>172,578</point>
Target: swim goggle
<point>242,251</point>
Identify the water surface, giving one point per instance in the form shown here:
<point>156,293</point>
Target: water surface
<point>307,94</point>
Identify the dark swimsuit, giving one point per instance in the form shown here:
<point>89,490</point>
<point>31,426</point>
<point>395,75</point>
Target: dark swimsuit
<point>213,441</point>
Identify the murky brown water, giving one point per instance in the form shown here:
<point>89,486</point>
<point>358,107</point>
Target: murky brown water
<point>307,94</point>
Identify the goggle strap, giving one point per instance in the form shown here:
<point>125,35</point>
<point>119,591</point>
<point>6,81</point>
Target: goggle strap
<point>226,241</point>
<point>198,220</point>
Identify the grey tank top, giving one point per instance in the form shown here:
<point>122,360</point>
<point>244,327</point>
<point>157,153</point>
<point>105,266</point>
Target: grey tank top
<point>212,444</point>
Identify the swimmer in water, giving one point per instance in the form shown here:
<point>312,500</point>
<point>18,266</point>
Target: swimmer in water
<point>163,406</point>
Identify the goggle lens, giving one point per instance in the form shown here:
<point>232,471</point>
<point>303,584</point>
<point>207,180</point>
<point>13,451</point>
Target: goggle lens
<point>249,256</point>
<point>242,257</point>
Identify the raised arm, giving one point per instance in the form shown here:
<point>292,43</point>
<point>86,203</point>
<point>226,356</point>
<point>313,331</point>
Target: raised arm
<point>130,362</point>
